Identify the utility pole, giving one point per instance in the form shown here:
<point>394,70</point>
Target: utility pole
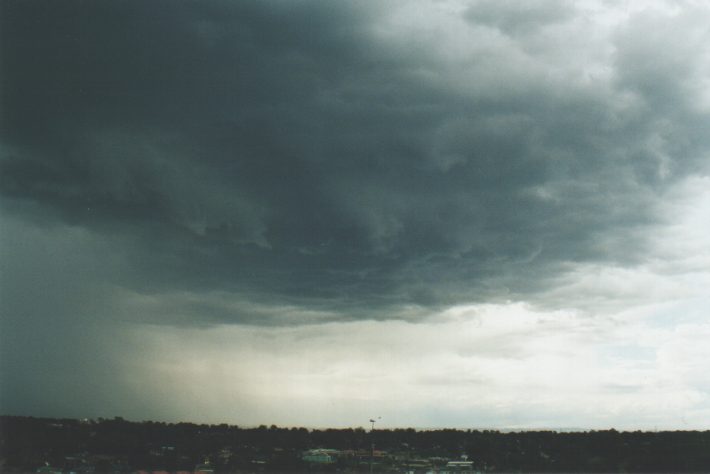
<point>372,442</point>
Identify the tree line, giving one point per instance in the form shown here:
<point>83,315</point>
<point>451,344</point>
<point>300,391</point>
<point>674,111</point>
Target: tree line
<point>117,444</point>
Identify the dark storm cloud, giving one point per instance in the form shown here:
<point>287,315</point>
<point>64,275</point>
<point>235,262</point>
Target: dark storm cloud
<point>292,153</point>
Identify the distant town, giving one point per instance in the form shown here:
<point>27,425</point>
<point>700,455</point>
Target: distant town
<point>46,445</point>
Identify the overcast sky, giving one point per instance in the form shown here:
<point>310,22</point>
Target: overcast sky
<point>444,213</point>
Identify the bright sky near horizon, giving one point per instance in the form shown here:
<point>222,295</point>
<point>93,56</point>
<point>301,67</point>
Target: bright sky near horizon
<point>471,214</point>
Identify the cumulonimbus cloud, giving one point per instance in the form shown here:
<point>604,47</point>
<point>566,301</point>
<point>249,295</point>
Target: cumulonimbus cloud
<point>351,159</point>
